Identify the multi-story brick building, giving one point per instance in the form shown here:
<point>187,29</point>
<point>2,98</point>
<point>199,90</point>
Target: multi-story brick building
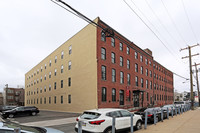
<point>92,70</point>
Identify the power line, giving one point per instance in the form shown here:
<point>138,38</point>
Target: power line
<point>173,23</point>
<point>189,22</point>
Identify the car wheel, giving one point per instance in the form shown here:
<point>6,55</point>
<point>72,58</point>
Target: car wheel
<point>10,115</point>
<point>33,113</point>
<point>138,125</point>
<point>109,130</point>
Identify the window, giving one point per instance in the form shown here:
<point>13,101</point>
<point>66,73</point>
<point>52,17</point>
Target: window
<point>103,53</point>
<point>45,77</point>
<point>150,73</point>
<point>62,69</point>
<point>146,61</point>
<point>141,58</point>
<point>69,65</point>
<point>61,85</point>
<point>142,82</point>
<point>40,100</point>
<point>49,100</point>
<point>55,99</point>
<point>62,54</point>
<point>45,66</point>
<point>44,89</point>
<point>44,100</point>
<point>55,72</point>
<point>121,61</point>
<point>50,63</point>
<point>41,79</point>
<point>150,84</point>
<point>69,81</point>
<point>147,96</point>
<point>146,72</point>
<point>136,55</point>
<point>128,64</point>
<point>103,72</point>
<point>128,79</point>
<point>136,67</point>
<point>49,74</point>
<point>136,81</point>
<point>49,87</point>
<point>54,85</point>
<point>112,42</point>
<point>55,59</point>
<point>127,50</point>
<point>70,49</point>
<point>61,99</point>
<point>147,84</point>
<point>121,77</point>
<point>113,57</point>
<point>113,75</point>
<point>141,68</point>
<point>103,98</point>
<point>69,99</point>
<point>120,46</point>
<point>103,36</point>
<point>41,69</point>
<point>113,94</point>
<point>41,90</point>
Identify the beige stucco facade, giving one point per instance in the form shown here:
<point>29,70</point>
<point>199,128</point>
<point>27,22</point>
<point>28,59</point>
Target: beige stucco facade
<point>83,74</point>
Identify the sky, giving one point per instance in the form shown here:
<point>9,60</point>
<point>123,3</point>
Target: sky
<point>32,29</point>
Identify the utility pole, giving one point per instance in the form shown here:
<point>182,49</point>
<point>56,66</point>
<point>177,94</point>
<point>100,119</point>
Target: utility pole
<point>197,81</point>
<point>190,66</point>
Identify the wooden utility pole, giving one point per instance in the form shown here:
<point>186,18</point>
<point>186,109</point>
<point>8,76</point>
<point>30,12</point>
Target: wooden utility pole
<point>190,66</point>
<point>197,81</point>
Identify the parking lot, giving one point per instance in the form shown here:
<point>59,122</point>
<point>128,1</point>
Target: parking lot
<point>184,123</point>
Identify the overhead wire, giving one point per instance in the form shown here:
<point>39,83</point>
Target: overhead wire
<point>189,22</point>
<point>80,15</point>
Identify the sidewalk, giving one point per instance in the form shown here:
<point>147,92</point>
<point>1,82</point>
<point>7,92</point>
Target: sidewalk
<point>188,122</point>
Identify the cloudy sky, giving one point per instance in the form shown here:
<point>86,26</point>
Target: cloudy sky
<point>31,29</point>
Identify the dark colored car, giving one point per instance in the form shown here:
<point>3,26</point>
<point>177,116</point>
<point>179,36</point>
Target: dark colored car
<point>7,107</point>
<point>150,114</point>
<point>20,111</point>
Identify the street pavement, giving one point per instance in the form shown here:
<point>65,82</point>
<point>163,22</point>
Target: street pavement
<point>187,122</point>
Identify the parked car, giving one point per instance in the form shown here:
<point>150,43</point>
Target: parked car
<point>179,103</point>
<point>20,111</point>
<point>100,120</point>
<point>9,127</point>
<point>169,108</point>
<point>6,107</point>
<point>150,113</point>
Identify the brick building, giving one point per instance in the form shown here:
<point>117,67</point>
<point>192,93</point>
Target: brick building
<point>100,72</point>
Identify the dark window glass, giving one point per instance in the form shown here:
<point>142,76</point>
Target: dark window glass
<point>69,81</point>
<point>61,86</point>
<point>113,75</point>
<point>121,77</point>
<point>69,99</point>
<point>103,94</point>
<point>103,36</point>
<point>120,46</point>
<point>121,61</point>
<point>113,94</point>
<point>103,72</point>
<point>113,57</point>
<point>112,42</point>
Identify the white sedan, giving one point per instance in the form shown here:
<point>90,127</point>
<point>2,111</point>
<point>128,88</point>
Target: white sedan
<point>100,120</point>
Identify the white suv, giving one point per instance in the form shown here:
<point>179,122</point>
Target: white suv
<point>100,120</point>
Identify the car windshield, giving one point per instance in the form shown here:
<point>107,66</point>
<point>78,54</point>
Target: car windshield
<point>26,128</point>
<point>90,115</point>
<point>178,102</point>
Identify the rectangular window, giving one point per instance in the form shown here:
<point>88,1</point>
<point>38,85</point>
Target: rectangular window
<point>113,57</point>
<point>70,49</point>
<point>103,98</point>
<point>62,54</point>
<point>44,100</point>
<point>146,61</point>
<point>45,67</point>
<point>127,50</point>
<point>136,67</point>
<point>136,55</point>
<point>49,87</point>
<point>113,94</point>
<point>103,72</point>
<point>40,100</point>
<point>128,64</point>
<point>61,99</point>
<point>49,100</point>
<point>103,53</point>
<point>128,79</point>
<point>147,84</point>
<point>142,82</point>
<point>150,73</point>
<point>113,75</point>
<point>69,81</point>
<point>147,96</point>
<point>141,68</point>
<point>69,65</point>
<point>136,81</point>
<point>141,58</point>
<point>61,86</point>
<point>61,69</point>
<point>146,72</point>
<point>55,99</point>
<point>150,84</point>
<point>103,36</point>
<point>50,63</point>
<point>55,72</point>
<point>120,46</point>
<point>121,77</point>
<point>112,42</point>
<point>121,61</point>
<point>55,59</point>
<point>54,85</point>
<point>49,74</point>
<point>69,99</point>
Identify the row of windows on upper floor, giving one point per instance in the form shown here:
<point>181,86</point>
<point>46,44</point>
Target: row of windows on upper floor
<point>55,73</point>
<point>103,53</point>
<point>104,74</point>
<point>104,96</point>
<point>36,101</point>
<point>36,91</point>
<point>113,79</point>
<point>50,63</point>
